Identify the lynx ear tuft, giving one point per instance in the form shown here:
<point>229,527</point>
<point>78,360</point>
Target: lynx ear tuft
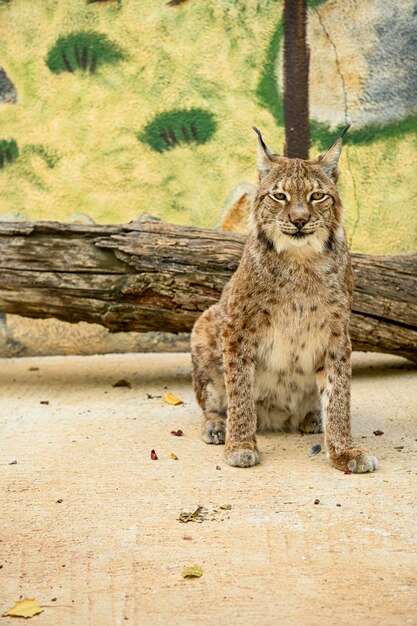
<point>330,159</point>
<point>265,155</point>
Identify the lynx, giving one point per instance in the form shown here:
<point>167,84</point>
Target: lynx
<point>274,352</point>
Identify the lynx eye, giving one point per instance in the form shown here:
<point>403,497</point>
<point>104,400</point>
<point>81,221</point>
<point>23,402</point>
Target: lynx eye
<point>317,195</point>
<point>278,196</point>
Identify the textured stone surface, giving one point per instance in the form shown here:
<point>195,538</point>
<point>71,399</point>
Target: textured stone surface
<point>23,336</point>
<point>8,93</point>
<point>355,70</point>
<point>89,522</point>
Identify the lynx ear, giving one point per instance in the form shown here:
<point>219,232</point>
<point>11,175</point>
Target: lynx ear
<point>330,159</point>
<point>264,155</point>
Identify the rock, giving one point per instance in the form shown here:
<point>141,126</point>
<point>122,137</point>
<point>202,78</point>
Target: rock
<point>236,213</point>
<point>8,92</point>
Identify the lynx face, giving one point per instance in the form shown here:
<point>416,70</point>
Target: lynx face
<point>297,206</point>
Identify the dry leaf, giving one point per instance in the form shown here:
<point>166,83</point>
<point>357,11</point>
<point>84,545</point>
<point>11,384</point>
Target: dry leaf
<point>226,507</point>
<point>193,571</point>
<point>197,516</point>
<point>316,449</point>
<point>177,433</point>
<point>154,456</point>
<point>174,3</point>
<point>28,607</point>
<point>169,398</point>
<point>173,456</point>
<point>122,383</point>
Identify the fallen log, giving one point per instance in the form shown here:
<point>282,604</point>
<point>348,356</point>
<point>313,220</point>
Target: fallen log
<point>150,275</point>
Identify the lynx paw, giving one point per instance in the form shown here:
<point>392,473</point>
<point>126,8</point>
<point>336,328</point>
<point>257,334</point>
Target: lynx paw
<point>356,460</point>
<point>312,423</point>
<point>214,432</point>
<point>242,454</point>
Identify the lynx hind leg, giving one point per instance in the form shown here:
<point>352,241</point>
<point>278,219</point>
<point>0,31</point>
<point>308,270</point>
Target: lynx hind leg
<point>312,423</point>
<point>208,380</point>
<point>214,405</point>
<point>214,428</point>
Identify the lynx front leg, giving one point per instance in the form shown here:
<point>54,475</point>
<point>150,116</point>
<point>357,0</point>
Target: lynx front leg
<point>239,370</point>
<point>334,386</point>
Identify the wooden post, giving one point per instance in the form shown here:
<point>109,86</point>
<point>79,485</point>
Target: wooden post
<point>296,62</point>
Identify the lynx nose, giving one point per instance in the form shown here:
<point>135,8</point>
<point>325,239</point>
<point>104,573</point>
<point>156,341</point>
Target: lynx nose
<point>300,221</point>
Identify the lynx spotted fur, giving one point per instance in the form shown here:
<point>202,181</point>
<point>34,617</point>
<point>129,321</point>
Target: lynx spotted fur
<point>274,352</point>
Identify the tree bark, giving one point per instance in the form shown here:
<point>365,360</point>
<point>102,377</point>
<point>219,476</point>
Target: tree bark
<point>296,66</point>
<point>149,275</point>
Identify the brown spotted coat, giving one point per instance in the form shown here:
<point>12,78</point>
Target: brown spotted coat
<point>274,352</point>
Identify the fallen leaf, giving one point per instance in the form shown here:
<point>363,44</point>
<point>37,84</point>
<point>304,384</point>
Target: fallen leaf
<point>169,398</point>
<point>177,433</point>
<point>399,448</point>
<point>218,467</point>
<point>28,607</point>
<point>316,501</point>
<point>193,571</point>
<point>378,433</point>
<point>314,450</point>
<point>59,501</point>
<point>197,516</point>
<point>174,3</point>
<point>173,456</point>
<point>44,402</point>
<point>187,538</point>
<point>203,514</point>
<point>338,505</point>
<point>151,397</point>
<point>122,383</point>
<point>154,456</point>
<point>33,369</point>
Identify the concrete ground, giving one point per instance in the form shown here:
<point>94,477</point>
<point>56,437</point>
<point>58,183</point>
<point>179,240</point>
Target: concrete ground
<point>89,522</point>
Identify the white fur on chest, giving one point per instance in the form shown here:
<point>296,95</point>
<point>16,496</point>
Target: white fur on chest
<point>287,357</point>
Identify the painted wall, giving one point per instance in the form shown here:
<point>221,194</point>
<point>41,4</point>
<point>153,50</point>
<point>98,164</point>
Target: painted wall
<point>112,108</point>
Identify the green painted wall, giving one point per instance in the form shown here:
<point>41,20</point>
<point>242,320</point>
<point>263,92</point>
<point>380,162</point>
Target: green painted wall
<point>128,106</point>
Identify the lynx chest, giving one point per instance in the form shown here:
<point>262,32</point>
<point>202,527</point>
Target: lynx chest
<point>289,350</point>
